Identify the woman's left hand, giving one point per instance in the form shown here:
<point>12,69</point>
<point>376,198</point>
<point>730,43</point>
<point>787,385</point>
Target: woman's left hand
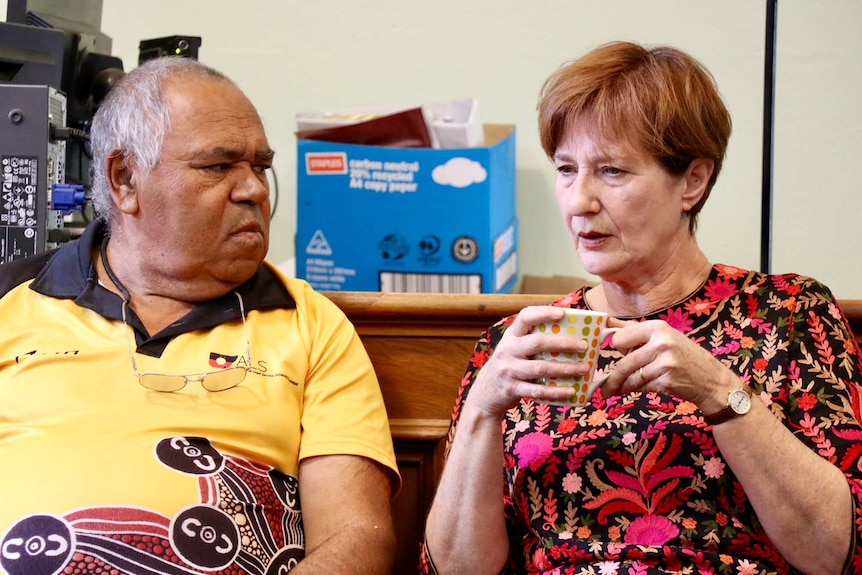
<point>659,358</point>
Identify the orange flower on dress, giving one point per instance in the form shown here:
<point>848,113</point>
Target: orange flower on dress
<point>686,408</point>
<point>689,523</point>
<point>598,418</point>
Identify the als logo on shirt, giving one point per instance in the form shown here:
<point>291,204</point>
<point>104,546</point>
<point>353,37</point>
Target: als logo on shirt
<point>221,361</point>
<point>259,367</point>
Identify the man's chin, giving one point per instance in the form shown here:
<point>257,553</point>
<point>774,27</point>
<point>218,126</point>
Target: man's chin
<point>240,269</point>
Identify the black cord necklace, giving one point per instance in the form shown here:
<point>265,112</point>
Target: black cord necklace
<point>103,250</point>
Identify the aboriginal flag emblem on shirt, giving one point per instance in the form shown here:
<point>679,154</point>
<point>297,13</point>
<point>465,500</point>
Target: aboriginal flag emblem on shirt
<point>220,361</point>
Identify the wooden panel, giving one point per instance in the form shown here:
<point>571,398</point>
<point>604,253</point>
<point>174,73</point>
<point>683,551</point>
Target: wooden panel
<point>420,465</point>
<point>420,345</point>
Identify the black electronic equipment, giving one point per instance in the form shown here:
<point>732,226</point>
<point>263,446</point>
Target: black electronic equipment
<point>31,55</point>
<point>33,195</point>
<point>186,46</point>
<point>51,51</point>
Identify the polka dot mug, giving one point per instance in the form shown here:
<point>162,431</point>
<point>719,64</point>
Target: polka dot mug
<point>584,324</point>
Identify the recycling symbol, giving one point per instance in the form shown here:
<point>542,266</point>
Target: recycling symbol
<point>318,245</point>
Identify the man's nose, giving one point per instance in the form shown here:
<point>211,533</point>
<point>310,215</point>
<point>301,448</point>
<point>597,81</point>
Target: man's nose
<point>251,186</point>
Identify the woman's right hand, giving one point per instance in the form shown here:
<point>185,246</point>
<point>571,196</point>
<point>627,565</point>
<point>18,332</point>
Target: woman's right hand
<point>511,372</point>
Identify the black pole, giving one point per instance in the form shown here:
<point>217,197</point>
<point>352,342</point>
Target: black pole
<point>768,131</point>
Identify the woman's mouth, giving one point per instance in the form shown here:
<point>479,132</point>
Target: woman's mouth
<point>591,239</point>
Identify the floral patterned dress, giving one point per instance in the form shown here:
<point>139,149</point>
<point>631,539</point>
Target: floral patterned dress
<point>636,484</point>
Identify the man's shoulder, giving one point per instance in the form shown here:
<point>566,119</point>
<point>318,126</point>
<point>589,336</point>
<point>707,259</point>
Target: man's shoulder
<point>17,272</point>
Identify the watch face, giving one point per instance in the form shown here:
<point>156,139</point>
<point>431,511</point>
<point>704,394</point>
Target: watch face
<point>740,401</point>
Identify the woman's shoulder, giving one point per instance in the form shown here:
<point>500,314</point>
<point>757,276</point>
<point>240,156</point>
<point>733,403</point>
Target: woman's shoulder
<point>773,285</point>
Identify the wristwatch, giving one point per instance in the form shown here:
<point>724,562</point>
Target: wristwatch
<point>738,403</point>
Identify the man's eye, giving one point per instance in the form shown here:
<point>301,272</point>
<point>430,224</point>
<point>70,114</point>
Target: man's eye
<point>217,167</point>
<point>262,168</point>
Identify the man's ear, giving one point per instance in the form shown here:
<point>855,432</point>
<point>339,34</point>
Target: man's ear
<point>121,180</point>
<point>696,177</point>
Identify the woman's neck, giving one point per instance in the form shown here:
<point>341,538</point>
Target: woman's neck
<point>644,296</point>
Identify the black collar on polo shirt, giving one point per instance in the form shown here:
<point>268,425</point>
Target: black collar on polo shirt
<point>70,273</point>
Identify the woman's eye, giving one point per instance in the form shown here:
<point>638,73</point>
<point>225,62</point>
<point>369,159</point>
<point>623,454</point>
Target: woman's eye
<point>612,171</point>
<point>567,170</point>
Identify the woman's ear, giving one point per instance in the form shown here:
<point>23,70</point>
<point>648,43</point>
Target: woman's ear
<point>696,177</point>
<point>121,180</point>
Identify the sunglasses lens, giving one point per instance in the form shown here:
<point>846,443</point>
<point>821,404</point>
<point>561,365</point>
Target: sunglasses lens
<point>225,379</point>
<point>163,383</point>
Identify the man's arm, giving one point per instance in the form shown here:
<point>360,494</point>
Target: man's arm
<point>346,516</point>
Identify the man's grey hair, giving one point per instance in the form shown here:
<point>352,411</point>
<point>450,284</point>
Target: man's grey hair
<point>133,120</point>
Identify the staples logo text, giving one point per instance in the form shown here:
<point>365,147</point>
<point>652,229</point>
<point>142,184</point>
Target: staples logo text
<point>326,163</point>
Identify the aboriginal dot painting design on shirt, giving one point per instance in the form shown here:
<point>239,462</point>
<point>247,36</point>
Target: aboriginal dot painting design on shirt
<point>248,522</point>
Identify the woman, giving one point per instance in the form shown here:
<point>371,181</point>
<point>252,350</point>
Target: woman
<point>724,439</point>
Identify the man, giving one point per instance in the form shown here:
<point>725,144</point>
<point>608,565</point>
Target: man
<point>169,402</point>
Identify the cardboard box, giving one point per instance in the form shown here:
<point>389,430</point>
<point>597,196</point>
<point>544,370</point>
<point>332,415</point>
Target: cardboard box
<point>408,219</point>
<point>451,123</point>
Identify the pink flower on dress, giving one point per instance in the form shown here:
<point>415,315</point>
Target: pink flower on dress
<point>651,530</point>
<point>720,289</point>
<point>678,319</point>
<point>533,449</point>
<point>629,438</point>
<point>714,467</point>
<point>572,483</point>
<point>522,425</point>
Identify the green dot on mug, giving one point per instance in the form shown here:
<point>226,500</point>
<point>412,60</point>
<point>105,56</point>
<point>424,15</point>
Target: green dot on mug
<point>585,331</point>
<point>588,320</point>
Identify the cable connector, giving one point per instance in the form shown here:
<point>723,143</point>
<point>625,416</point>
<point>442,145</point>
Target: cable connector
<point>67,197</point>
<point>66,133</point>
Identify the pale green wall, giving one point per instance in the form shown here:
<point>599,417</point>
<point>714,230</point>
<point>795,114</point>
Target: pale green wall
<point>292,56</point>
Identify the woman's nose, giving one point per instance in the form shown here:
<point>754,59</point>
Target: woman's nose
<point>580,196</point>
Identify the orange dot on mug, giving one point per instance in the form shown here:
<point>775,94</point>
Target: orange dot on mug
<point>555,328</point>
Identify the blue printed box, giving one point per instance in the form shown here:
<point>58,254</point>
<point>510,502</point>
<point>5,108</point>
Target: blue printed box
<point>408,219</point>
